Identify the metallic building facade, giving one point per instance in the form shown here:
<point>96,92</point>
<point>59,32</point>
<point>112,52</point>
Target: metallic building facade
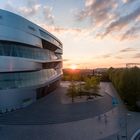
<point>30,62</point>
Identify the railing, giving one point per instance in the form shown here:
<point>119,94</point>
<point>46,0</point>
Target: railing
<point>27,79</point>
<point>24,51</point>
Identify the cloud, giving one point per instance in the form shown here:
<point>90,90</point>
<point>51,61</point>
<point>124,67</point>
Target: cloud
<point>128,1</point>
<point>31,2</point>
<point>47,12</point>
<point>33,8</point>
<point>127,50</point>
<point>103,56</point>
<point>112,17</point>
<point>131,33</point>
<point>106,56</point>
<point>9,6</point>
<point>118,54</point>
<point>125,1</point>
<point>111,55</point>
<point>118,57</point>
<point>26,11</point>
<point>98,11</point>
<point>122,22</point>
<point>136,55</point>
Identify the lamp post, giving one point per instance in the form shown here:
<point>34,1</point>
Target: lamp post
<point>73,84</point>
<point>127,115</point>
<point>126,125</point>
<point>80,77</point>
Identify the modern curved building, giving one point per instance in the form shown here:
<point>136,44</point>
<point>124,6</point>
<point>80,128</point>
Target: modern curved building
<point>30,62</point>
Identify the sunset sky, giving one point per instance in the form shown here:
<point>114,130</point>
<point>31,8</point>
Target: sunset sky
<point>94,33</point>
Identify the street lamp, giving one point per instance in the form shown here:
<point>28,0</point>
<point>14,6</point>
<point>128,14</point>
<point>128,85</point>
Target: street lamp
<point>126,125</point>
<point>127,115</point>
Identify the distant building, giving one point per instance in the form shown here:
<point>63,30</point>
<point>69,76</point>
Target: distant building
<point>30,62</point>
<point>99,71</point>
<point>130,65</point>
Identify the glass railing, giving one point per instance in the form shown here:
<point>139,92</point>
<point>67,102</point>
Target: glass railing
<point>59,56</point>
<point>27,79</point>
<point>49,38</point>
<point>24,51</point>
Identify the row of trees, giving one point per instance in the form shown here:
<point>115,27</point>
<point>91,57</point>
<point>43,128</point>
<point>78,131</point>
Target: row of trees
<point>127,83</point>
<point>76,75</point>
<point>88,88</point>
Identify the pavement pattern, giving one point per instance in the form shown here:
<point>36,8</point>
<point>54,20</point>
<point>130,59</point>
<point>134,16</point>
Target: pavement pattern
<point>49,119</point>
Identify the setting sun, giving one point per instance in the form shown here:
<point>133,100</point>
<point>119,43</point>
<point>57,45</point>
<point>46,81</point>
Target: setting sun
<point>73,66</point>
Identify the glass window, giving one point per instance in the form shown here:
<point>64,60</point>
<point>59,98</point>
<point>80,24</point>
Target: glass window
<point>49,38</point>
<point>32,28</point>
<point>23,79</point>
<point>20,50</point>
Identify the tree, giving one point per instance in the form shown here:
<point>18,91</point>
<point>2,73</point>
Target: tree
<point>92,86</point>
<point>79,89</point>
<point>72,91</point>
<point>127,83</point>
<point>105,77</point>
<point>87,87</point>
<point>95,81</point>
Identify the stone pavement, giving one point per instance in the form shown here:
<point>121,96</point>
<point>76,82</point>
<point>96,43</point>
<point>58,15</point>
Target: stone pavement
<point>50,110</point>
<point>129,121</point>
<point>49,119</point>
<point>87,129</point>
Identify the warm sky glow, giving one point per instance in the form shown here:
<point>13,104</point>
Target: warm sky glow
<point>95,33</point>
<point>73,66</point>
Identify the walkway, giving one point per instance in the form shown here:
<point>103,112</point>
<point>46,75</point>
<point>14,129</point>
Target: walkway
<point>50,119</point>
<point>50,110</point>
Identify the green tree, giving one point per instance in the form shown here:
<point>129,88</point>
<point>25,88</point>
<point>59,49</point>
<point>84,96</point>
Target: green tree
<point>87,86</point>
<point>92,85</point>
<point>127,83</point>
<point>95,81</point>
<point>79,89</point>
<point>72,91</point>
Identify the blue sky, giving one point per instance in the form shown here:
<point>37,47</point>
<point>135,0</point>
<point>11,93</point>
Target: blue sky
<point>95,33</point>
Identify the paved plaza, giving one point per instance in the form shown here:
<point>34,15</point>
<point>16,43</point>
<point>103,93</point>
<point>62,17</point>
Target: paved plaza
<point>50,119</point>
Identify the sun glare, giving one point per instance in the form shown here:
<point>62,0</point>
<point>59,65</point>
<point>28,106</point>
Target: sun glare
<point>73,66</point>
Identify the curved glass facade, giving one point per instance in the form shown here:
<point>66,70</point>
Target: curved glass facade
<point>30,64</point>
<point>26,79</point>
<point>49,38</point>
<point>21,50</point>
